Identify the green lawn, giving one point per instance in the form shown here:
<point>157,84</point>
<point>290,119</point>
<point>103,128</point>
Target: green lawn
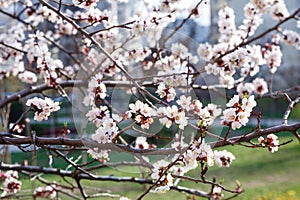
<point>263,175</point>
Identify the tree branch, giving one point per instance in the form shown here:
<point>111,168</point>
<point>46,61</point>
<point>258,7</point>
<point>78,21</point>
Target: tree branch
<point>275,27</point>
<point>64,173</point>
<point>43,141</point>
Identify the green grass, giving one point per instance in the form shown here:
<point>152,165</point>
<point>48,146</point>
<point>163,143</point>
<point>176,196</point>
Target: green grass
<point>263,175</point>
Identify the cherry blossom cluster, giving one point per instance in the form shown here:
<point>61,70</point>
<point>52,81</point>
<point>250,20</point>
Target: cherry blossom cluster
<point>201,151</point>
<point>6,3</point>
<point>198,152</point>
<point>46,192</point>
<point>36,45</point>
<point>172,114</point>
<point>223,158</point>
<point>276,8</point>
<point>106,131</point>
<point>173,70</point>
<point>246,60</point>
<point>99,154</point>
<point>205,115</point>
<point>104,134</point>
<point>253,19</point>
<point>27,77</point>
<point>237,113</point>
<point>86,4</point>
<point>166,92</point>
<point>227,27</point>
<point>42,107</point>
<point>12,59</point>
<point>175,114</point>
<point>150,23</point>
<point>98,114</point>
<point>96,91</point>
<point>38,54</point>
<point>271,142</point>
<point>258,85</point>
<point>11,183</point>
<point>160,175</point>
<point>37,16</point>
<point>95,16</point>
<point>143,113</point>
<point>179,143</point>
<point>272,54</point>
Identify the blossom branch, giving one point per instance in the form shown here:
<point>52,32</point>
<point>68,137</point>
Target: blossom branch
<point>109,56</point>
<point>125,25</point>
<point>42,141</point>
<point>275,129</point>
<point>80,176</point>
<point>79,83</point>
<point>275,27</point>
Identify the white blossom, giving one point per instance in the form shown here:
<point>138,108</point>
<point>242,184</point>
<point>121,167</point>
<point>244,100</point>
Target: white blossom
<point>233,101</point>
<point>160,174</point>
<point>260,86</point>
<point>291,38</point>
<point>143,113</point>
<point>141,143</point>
<point>273,57</point>
<point>245,89</point>
<point>271,142</point>
<point>11,183</point>
<point>248,103</point>
<point>190,160</point>
<point>28,77</point>
<point>262,5</point>
<point>203,152</point>
<point>43,107</point>
<point>67,28</point>
<point>97,115</point>
<point>168,92</point>
<point>278,10</point>
<point>48,191</point>
<point>101,155</point>
<point>205,51</point>
<point>226,80</point>
<point>217,193</point>
<point>253,19</point>
<point>178,143</point>
<point>223,158</point>
<point>170,115</point>
<point>212,69</point>
<point>237,114</point>
<point>184,102</point>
